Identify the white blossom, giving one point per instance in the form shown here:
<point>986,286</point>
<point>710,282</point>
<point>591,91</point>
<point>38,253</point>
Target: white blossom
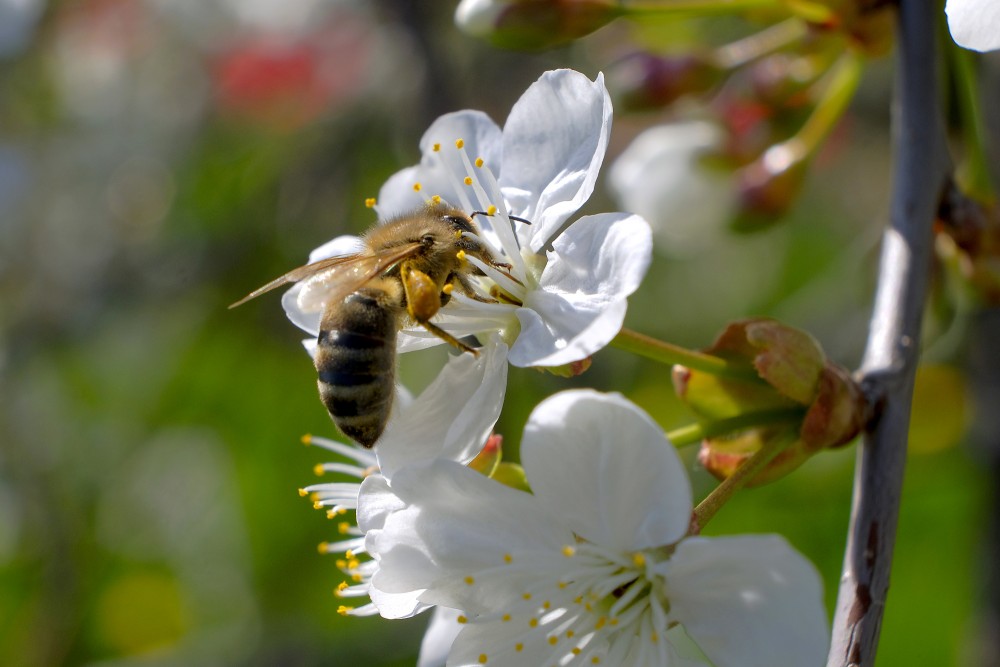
<point>595,565</point>
<point>564,296</point>
<point>974,24</point>
<point>451,419</point>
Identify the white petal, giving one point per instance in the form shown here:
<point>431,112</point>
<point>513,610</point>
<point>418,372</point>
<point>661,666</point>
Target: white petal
<point>309,321</point>
<point>439,637</point>
<point>553,146</point>
<point>454,415</point>
<point>458,523</point>
<point>974,24</point>
<point>481,137</point>
<point>749,601</point>
<point>498,641</point>
<point>660,176</point>
<point>606,469</point>
<point>558,330</point>
<point>597,262</point>
<point>398,605</point>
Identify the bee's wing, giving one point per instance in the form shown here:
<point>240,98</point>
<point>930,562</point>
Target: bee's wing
<point>340,276</point>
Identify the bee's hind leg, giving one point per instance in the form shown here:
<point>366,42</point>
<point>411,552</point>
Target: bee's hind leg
<point>448,338</point>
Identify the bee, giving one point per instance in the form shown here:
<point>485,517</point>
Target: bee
<point>406,273</point>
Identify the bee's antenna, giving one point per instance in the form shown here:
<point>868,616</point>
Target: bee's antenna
<point>512,217</point>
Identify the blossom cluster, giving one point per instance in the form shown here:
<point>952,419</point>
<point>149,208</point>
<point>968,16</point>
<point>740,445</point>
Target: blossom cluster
<point>591,558</point>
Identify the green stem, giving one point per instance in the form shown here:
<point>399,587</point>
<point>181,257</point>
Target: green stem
<point>692,433</point>
<point>843,81</point>
<point>760,44</point>
<point>719,496</point>
<point>974,172</point>
<point>668,353</point>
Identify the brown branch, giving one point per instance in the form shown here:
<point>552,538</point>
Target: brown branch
<point>920,173</point>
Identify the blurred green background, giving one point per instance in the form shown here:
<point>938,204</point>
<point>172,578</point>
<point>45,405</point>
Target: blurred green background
<point>161,158</point>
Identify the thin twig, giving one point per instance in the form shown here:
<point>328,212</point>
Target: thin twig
<point>921,167</point>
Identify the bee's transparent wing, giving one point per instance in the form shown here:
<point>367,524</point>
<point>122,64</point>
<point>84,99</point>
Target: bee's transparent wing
<point>335,277</point>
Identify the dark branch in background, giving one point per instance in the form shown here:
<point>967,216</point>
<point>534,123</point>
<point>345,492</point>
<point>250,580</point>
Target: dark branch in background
<point>920,173</point>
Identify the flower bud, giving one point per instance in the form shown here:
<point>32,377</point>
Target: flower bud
<point>794,373</point>
<point>768,186</point>
<point>534,24</point>
<point>488,459</point>
<point>646,82</point>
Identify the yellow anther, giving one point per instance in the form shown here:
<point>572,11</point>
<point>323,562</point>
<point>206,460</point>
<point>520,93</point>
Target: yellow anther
<point>655,637</point>
<point>576,650</point>
<point>546,604</point>
<point>639,559</point>
<point>349,553</point>
<point>491,210</point>
<point>479,162</point>
<point>314,496</point>
<point>353,563</point>
<point>436,199</point>
<point>519,647</point>
<point>357,578</point>
<point>437,147</point>
<point>468,180</point>
<point>417,187</point>
<point>343,527</point>
<point>322,547</point>
<point>568,551</point>
<point>595,660</point>
<point>600,623</point>
<point>613,622</point>
<point>570,634</point>
<point>341,587</point>
<point>341,510</point>
<point>507,558</point>
<point>307,439</point>
<point>588,606</point>
<point>303,493</point>
<point>533,623</point>
<point>460,143</point>
<point>317,505</point>
<point>563,584</point>
<point>344,610</point>
<point>461,255</point>
<point>463,620</point>
<point>578,599</point>
<point>482,658</point>
<point>319,470</point>
<point>370,202</point>
<point>469,580</point>
<point>505,618</point>
<point>553,640</point>
<point>341,564</point>
<point>526,596</point>
<point>331,514</point>
<point>448,289</point>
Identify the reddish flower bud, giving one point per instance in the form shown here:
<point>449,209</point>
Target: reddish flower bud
<point>646,82</point>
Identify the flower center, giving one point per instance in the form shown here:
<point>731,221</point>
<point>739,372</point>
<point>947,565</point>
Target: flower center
<point>583,603</point>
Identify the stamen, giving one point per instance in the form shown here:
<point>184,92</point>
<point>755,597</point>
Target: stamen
<point>568,551</point>
<point>436,199</point>
<point>321,547</point>
<point>306,439</point>
<point>460,143</point>
<point>468,180</point>
<point>479,162</point>
<point>437,148</point>
<point>448,289</point>
<point>417,187</point>
<point>370,202</point>
<point>469,580</point>
<point>492,210</point>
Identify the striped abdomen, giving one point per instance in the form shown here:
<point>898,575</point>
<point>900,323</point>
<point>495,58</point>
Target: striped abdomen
<point>355,359</point>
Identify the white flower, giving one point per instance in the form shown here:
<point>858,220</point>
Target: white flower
<point>974,24</point>
<point>565,294</point>
<point>660,177</point>
<point>451,419</point>
<point>595,566</point>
